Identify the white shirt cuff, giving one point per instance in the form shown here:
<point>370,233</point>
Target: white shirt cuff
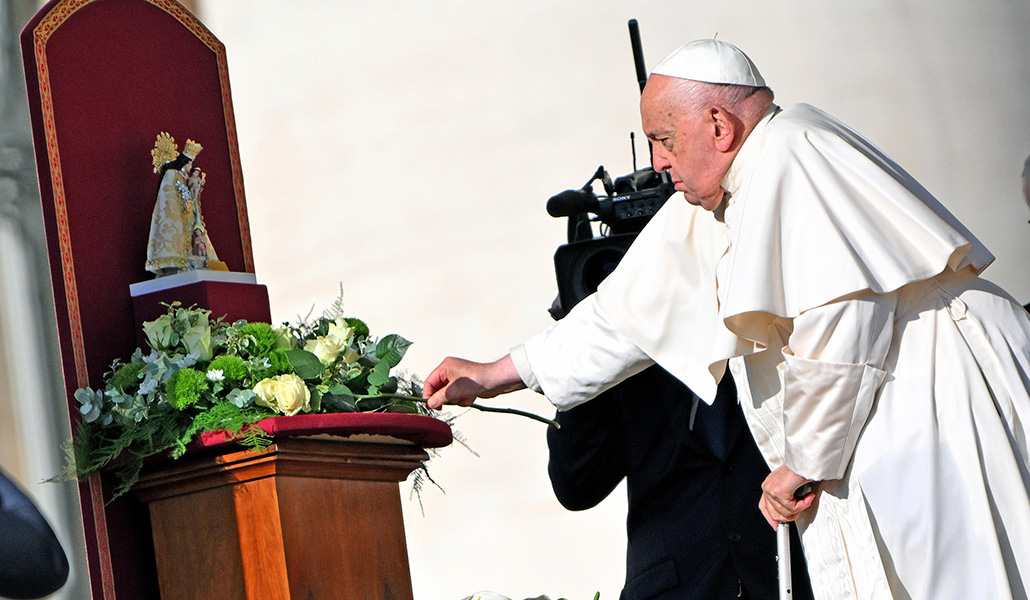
<point>521,361</point>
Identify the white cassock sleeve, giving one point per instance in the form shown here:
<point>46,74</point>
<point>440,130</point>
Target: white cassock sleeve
<point>833,370</point>
<point>578,357</point>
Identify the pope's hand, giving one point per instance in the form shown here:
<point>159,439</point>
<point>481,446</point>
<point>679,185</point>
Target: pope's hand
<point>458,381</point>
<point>777,502</point>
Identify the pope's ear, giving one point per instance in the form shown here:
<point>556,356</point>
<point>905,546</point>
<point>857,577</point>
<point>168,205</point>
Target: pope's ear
<point>725,128</point>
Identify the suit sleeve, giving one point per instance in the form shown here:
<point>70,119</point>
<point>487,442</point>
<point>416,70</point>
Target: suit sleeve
<point>32,562</point>
<point>586,457</point>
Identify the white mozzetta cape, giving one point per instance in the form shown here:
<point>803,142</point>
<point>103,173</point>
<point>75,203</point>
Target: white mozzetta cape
<point>867,352</point>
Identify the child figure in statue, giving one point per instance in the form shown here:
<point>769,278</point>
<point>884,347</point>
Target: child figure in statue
<point>178,236</point>
<point>203,256</point>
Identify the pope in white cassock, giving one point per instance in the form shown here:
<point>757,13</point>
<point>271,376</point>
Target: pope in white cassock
<point>869,355</point>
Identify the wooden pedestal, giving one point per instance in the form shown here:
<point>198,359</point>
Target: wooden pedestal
<point>304,519</point>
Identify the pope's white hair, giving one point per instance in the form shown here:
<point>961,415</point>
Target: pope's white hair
<point>747,102</point>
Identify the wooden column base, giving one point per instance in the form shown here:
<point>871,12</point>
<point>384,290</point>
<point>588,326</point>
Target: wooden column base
<point>304,519</point>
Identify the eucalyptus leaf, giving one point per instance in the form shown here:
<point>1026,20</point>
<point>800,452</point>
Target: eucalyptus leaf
<point>86,396</point>
<point>90,412</point>
<point>241,398</point>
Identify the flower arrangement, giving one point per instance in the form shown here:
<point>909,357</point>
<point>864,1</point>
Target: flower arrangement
<point>206,375</point>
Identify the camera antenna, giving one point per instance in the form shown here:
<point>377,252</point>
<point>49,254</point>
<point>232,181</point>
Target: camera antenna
<point>638,62</point>
<point>633,149</point>
<point>638,53</point>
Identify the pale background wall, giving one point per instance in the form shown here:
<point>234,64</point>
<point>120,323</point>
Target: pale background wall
<point>406,149</point>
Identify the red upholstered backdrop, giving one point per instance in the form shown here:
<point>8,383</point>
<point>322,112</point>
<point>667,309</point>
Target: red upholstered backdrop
<point>104,78</point>
<point>118,73</point>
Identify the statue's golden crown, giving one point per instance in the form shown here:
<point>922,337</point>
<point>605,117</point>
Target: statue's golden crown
<point>166,150</point>
<point>192,149</point>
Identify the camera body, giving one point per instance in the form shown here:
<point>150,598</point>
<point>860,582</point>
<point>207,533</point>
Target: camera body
<point>583,263</point>
<point>634,199</point>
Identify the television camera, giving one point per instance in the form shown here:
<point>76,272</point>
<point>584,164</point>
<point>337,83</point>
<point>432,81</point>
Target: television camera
<point>627,205</point>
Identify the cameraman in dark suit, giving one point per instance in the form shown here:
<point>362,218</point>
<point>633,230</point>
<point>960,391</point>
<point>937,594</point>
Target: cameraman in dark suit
<point>693,477</point>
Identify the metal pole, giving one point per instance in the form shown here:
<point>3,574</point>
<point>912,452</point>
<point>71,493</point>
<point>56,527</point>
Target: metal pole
<point>783,558</point>
<point>783,546</point>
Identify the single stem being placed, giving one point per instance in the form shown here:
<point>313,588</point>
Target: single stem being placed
<point>510,411</point>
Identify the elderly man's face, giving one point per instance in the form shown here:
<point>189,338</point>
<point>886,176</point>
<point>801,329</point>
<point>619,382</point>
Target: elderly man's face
<point>683,144</point>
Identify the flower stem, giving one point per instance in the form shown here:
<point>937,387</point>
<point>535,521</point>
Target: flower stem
<point>515,411</point>
<point>510,411</point>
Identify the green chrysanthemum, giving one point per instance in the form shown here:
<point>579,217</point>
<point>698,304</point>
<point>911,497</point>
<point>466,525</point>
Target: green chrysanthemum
<point>185,387</point>
<point>127,377</point>
<point>264,335</point>
<point>278,363</point>
<point>233,368</point>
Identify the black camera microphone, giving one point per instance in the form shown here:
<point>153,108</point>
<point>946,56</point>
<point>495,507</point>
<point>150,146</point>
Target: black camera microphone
<point>572,202</point>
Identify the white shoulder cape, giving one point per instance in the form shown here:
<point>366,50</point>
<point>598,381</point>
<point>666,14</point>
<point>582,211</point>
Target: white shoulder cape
<point>817,213</point>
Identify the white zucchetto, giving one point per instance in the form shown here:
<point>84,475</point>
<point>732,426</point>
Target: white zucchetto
<point>710,61</point>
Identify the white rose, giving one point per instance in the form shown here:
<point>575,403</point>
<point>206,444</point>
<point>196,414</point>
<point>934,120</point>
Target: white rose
<point>341,331</point>
<point>285,339</point>
<point>197,340</point>
<point>286,394</point>
<point>159,332</point>
<point>326,348</point>
<point>293,394</point>
<point>265,390</point>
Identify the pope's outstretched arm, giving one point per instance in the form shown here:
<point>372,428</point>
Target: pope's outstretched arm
<point>458,381</point>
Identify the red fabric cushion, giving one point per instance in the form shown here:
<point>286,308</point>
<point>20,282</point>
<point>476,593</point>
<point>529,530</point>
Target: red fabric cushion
<point>418,429</point>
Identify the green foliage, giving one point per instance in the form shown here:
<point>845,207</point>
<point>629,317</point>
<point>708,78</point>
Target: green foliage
<point>260,339</point>
<point>305,364</point>
<point>360,329</point>
<point>200,375</point>
<point>185,387</point>
<point>234,369</point>
<point>126,378</point>
<point>391,349</point>
<point>278,363</point>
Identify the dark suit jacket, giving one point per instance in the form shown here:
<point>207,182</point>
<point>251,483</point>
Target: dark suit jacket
<point>32,562</point>
<point>693,525</point>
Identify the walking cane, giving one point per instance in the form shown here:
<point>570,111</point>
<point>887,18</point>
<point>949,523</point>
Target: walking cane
<point>783,547</point>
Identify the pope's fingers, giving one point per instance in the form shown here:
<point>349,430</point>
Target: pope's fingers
<point>436,400</point>
<point>443,375</point>
<point>436,380</point>
<point>778,502</point>
<point>774,510</point>
<point>461,391</point>
<point>770,517</point>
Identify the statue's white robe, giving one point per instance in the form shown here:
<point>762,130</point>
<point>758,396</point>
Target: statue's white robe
<point>868,354</point>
